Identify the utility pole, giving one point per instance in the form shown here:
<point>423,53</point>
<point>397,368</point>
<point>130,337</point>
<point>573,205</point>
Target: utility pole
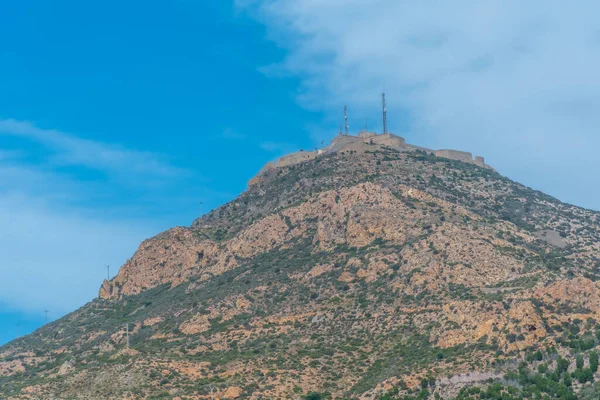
<point>201,204</point>
<point>108,272</point>
<point>46,312</point>
<point>346,119</point>
<point>384,106</point>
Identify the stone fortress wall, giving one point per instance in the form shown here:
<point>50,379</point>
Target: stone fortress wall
<point>360,142</point>
<point>295,158</point>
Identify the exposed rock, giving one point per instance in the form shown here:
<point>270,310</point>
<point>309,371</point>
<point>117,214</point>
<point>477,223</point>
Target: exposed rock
<point>66,368</point>
<point>551,237</point>
<point>233,392</point>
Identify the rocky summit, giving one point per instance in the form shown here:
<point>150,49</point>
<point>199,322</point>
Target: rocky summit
<point>368,272</point>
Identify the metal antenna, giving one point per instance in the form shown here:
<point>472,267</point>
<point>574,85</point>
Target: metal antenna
<point>46,312</point>
<point>201,204</point>
<point>384,106</point>
<point>346,119</point>
<point>108,272</point>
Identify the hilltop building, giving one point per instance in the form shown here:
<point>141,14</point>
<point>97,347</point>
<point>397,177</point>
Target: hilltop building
<point>366,140</point>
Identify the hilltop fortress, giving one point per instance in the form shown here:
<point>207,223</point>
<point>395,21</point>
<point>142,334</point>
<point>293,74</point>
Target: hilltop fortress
<point>363,142</point>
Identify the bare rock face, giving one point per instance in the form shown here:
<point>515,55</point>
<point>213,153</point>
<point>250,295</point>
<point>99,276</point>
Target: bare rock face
<point>167,257</point>
<point>527,322</point>
<point>66,368</point>
<point>580,294</point>
<point>355,216</point>
<point>233,392</point>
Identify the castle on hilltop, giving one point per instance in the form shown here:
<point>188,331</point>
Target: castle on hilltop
<point>366,140</point>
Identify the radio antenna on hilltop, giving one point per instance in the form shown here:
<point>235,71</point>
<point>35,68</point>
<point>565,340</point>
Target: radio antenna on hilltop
<point>384,106</point>
<point>346,119</point>
<point>46,312</point>
<point>108,272</point>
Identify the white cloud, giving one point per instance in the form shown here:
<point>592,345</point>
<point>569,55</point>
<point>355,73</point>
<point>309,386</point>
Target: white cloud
<point>9,155</point>
<point>69,150</point>
<point>516,82</point>
<point>55,240</point>
<point>231,134</point>
<point>54,251</point>
<point>277,147</point>
<point>54,259</point>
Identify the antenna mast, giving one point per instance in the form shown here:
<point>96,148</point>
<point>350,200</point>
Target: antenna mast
<point>384,106</point>
<point>346,119</point>
<point>46,312</point>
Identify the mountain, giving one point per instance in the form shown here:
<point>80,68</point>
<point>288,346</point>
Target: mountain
<point>370,269</point>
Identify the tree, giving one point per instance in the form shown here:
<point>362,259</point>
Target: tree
<point>562,365</point>
<point>313,396</point>
<point>579,361</point>
<point>587,343</point>
<point>567,380</point>
<point>594,361</point>
<point>585,375</point>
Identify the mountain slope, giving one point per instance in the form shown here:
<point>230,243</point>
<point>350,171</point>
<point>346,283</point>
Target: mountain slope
<point>355,274</point>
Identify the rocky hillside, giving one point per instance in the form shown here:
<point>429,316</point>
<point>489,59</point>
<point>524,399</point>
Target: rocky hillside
<point>367,273</point>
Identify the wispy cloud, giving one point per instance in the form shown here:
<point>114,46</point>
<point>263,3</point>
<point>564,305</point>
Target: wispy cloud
<point>515,82</point>
<point>69,150</point>
<point>275,147</point>
<point>52,259</point>
<point>10,155</point>
<point>61,226</point>
<point>231,134</point>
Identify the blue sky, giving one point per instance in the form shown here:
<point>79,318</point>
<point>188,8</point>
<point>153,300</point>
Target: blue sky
<point>116,122</point>
<point>118,119</point>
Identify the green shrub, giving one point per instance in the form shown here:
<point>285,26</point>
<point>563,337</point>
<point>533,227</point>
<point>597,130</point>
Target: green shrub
<point>594,361</point>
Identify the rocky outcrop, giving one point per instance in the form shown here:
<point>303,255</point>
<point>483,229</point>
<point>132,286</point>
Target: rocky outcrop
<point>233,392</point>
<point>168,257</point>
<point>355,216</point>
<point>579,295</point>
<point>490,321</point>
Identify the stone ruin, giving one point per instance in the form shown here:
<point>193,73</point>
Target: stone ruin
<point>365,141</point>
